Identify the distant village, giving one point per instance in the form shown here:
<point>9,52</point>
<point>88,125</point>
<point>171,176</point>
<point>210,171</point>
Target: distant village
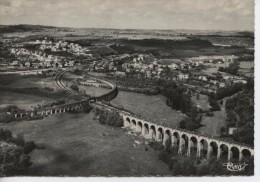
<point>190,71</point>
<point>40,59</point>
<point>175,69</point>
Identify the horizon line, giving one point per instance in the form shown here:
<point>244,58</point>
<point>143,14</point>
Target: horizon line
<point>215,30</point>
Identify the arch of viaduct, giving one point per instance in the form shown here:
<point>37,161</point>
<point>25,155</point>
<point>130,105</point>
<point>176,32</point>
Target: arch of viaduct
<point>187,142</point>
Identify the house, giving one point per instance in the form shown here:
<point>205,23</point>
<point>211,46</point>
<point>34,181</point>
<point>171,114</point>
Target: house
<point>48,64</point>
<point>227,77</point>
<point>203,77</point>
<point>140,57</point>
<point>221,84</point>
<point>27,64</point>
<point>13,50</point>
<point>159,69</point>
<point>214,82</point>
<point>71,63</point>
<point>119,73</point>
<point>15,63</point>
<point>61,65</point>
<point>53,49</point>
<point>148,74</point>
<point>183,76</point>
<point>173,66</point>
<point>240,81</point>
<point>232,130</point>
<point>58,45</point>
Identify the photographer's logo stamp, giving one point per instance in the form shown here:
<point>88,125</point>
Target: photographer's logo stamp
<point>235,166</point>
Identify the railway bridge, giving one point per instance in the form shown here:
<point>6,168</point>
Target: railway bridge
<point>188,142</point>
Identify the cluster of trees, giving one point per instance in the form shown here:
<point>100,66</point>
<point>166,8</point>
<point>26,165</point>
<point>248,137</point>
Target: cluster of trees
<point>58,53</point>
<point>174,44</point>
<point>11,109</point>
<point>49,73</point>
<point>232,68</point>
<point>228,91</point>
<point>110,118</point>
<point>21,28</point>
<point>146,91</point>
<point>133,81</point>
<point>77,71</point>
<point>81,42</point>
<point>179,98</point>
<point>246,58</point>
<point>14,155</point>
<point>213,103</point>
<point>182,165</point>
<point>5,53</point>
<point>5,117</point>
<point>51,104</point>
<point>240,114</point>
<point>122,49</point>
<point>193,121</point>
<point>74,87</point>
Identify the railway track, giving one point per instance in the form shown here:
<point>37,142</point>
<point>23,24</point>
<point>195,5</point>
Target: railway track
<point>63,87</point>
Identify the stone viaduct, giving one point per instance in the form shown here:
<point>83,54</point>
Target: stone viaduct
<point>53,110</point>
<point>188,142</point>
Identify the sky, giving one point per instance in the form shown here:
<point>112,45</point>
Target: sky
<point>131,14</point>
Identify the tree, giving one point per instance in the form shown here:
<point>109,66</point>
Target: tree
<point>198,96</point>
<point>222,130</point>
<point>233,68</point>
<point>75,87</point>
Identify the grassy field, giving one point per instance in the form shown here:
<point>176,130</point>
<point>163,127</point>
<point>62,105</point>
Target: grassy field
<point>213,68</point>
<point>24,101</point>
<point>25,82</point>
<point>93,91</point>
<point>246,64</point>
<point>153,108</point>
<point>213,124</point>
<point>77,145</point>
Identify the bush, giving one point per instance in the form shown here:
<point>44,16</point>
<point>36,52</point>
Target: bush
<point>18,140</point>
<point>156,145</point>
<point>188,124</point>
<point>109,118</point>
<point>74,87</point>
<point>13,154</point>
<point>5,135</point>
<point>210,114</point>
<point>214,104</point>
<point>87,108</point>
<point>29,147</point>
